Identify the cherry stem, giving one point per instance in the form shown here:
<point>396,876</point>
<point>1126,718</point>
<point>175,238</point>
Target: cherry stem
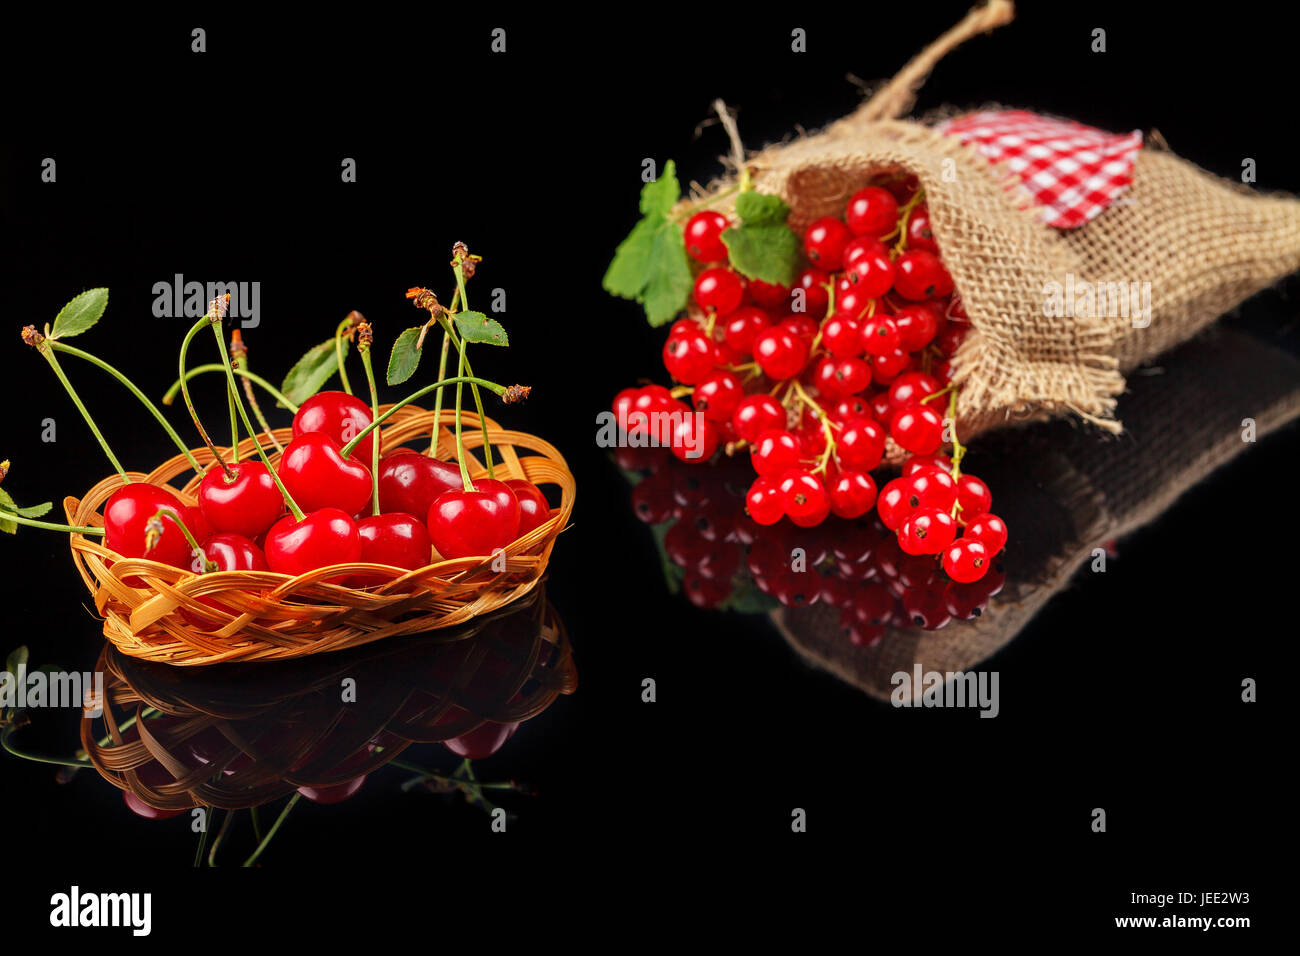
<point>144,400</point>
<point>152,536</point>
<point>266,840</point>
<point>442,373</point>
<point>456,380</point>
<point>363,346</point>
<point>48,353</point>
<point>49,525</point>
<point>185,389</point>
<point>458,268</point>
<point>243,414</point>
<point>243,373</point>
<point>239,363</point>
<point>234,426</point>
<point>460,445</point>
<point>344,327</point>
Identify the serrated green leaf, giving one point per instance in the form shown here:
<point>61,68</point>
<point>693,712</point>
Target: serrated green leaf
<point>80,314</point>
<point>761,209</point>
<point>477,327</point>
<point>405,357</point>
<point>659,197</point>
<point>311,372</point>
<point>8,525</point>
<point>36,511</point>
<point>17,657</point>
<point>768,252</point>
<point>650,265</point>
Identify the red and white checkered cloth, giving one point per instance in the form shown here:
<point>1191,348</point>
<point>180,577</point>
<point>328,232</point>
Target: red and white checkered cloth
<point>1073,171</point>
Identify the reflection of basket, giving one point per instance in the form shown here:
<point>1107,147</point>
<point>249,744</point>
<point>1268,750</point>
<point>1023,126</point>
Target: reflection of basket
<point>276,617</point>
<point>265,731</point>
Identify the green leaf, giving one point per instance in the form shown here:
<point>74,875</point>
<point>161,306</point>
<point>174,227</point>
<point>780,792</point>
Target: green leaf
<point>36,511</point>
<point>477,327</point>
<point>650,265</point>
<point>761,209</point>
<point>311,372</point>
<point>405,358</point>
<point>80,314</point>
<point>17,657</point>
<point>768,252</point>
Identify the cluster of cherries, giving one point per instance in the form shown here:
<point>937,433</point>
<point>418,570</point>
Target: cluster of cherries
<point>856,565</point>
<point>241,523</point>
<point>814,401</point>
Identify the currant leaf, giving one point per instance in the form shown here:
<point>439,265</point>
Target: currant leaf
<point>763,246</point>
<point>405,357</point>
<point>80,314</point>
<point>312,371</point>
<point>650,265</point>
<point>477,327</point>
<point>17,658</point>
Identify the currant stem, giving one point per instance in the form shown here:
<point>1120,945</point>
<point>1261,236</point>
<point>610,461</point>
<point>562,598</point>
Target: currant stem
<point>48,353</point>
<point>825,423</point>
<point>456,380</point>
<point>239,363</point>
<point>363,346</point>
<point>144,400</point>
<point>243,414</point>
<point>49,525</point>
<point>185,389</point>
<point>344,326</point>
<point>243,373</point>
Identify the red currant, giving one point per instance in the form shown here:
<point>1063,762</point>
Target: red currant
<point>860,444</point>
<point>718,395</point>
<point>769,295</point>
<point>880,335</point>
<point>916,326</point>
<point>919,235</point>
<point>841,334</point>
<point>973,496</point>
<point>872,211</point>
<point>989,530</point>
<point>719,290</point>
<point>852,302</point>
<point>774,453</point>
<point>966,560</point>
<point>764,501</point>
<point>917,428</point>
<point>852,493</point>
<point>871,272</point>
<point>703,235</point>
<point>927,531</point>
<point>931,489</point>
<point>824,242</point>
<point>689,357</point>
<point>780,353</point>
<point>805,497</point>
<point>926,463</point>
<point>920,275</point>
<point>816,297</point>
<point>742,325</point>
<point>756,414</point>
<point>888,366</point>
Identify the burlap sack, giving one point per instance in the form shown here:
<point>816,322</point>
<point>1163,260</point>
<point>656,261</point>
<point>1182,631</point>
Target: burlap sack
<point>1203,244</point>
<point>1065,491</point>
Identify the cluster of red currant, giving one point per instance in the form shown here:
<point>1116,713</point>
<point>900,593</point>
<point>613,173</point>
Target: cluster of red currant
<point>814,401</point>
<point>856,565</point>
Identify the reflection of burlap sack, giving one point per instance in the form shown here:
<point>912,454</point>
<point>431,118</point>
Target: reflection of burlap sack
<point>1203,244</point>
<point>1065,491</point>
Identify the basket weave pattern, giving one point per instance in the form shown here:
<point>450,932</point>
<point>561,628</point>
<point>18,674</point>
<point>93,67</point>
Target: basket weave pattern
<point>277,617</point>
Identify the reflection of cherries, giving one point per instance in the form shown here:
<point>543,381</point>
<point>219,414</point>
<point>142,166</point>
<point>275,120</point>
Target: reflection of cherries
<point>318,476</point>
<point>335,793</point>
<point>341,416</point>
<point>472,523</point>
<point>324,537</point>
<point>411,482</point>
<point>483,741</point>
<point>247,503</point>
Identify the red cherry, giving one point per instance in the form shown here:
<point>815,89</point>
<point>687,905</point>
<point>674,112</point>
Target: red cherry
<point>234,552</point>
<point>198,524</point>
<point>396,539</point>
<point>334,793</point>
<point>872,211</point>
<point>247,503</point>
<point>973,496</point>
<point>322,538</point>
<point>317,475</point>
<point>989,530</point>
<point>756,414</point>
<point>126,517</point>
<point>703,234</point>
<point>534,509</point>
<point>483,741</point>
<point>852,493</point>
<point>339,415</point>
<point>824,242</point>
<point>742,325</point>
<point>720,290</point>
<point>472,523</point>
<point>410,481</point>
<point>917,428</point>
<point>920,275</point>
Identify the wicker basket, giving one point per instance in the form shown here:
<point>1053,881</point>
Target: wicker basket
<point>270,730</point>
<point>278,617</point>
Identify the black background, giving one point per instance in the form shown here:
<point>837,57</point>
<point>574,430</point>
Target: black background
<point>1123,694</point>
